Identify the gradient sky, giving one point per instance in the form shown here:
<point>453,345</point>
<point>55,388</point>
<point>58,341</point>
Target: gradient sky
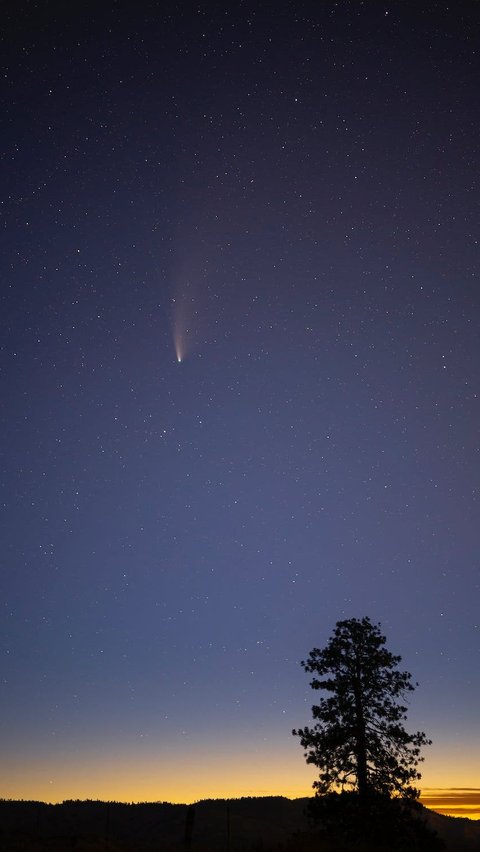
<point>240,377</point>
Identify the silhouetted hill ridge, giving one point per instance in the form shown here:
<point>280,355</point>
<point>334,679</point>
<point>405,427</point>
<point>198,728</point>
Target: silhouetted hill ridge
<point>210,825</point>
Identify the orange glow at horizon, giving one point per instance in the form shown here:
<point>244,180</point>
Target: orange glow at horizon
<point>162,774</point>
<point>453,801</point>
<point>190,777</point>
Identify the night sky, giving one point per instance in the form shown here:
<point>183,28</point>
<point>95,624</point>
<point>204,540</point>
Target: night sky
<point>240,384</point>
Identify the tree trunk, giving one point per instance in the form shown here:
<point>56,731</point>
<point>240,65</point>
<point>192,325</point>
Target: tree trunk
<point>360,738</point>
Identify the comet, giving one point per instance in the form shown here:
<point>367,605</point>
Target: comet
<point>184,318</point>
<point>179,349</point>
<point>183,310</point>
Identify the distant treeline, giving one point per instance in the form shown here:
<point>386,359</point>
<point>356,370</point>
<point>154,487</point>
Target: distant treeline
<point>239,824</point>
<point>266,824</point>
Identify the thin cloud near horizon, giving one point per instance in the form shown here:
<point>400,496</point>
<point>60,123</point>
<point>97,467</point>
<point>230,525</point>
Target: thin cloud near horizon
<point>453,801</point>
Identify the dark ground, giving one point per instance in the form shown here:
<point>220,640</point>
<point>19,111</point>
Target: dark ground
<point>237,825</point>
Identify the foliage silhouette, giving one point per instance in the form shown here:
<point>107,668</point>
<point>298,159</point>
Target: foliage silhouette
<point>358,741</point>
<point>374,822</point>
<point>360,746</point>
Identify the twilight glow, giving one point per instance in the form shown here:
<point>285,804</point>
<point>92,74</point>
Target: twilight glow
<point>290,198</point>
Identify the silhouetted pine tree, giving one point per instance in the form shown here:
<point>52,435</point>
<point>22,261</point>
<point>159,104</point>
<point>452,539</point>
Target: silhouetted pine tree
<point>360,746</point>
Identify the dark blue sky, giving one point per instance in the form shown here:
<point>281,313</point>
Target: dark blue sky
<point>286,200</point>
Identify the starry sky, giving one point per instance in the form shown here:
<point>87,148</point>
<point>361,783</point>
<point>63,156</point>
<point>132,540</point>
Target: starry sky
<point>239,374</point>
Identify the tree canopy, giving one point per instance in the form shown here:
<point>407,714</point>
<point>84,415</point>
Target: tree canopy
<point>358,741</point>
